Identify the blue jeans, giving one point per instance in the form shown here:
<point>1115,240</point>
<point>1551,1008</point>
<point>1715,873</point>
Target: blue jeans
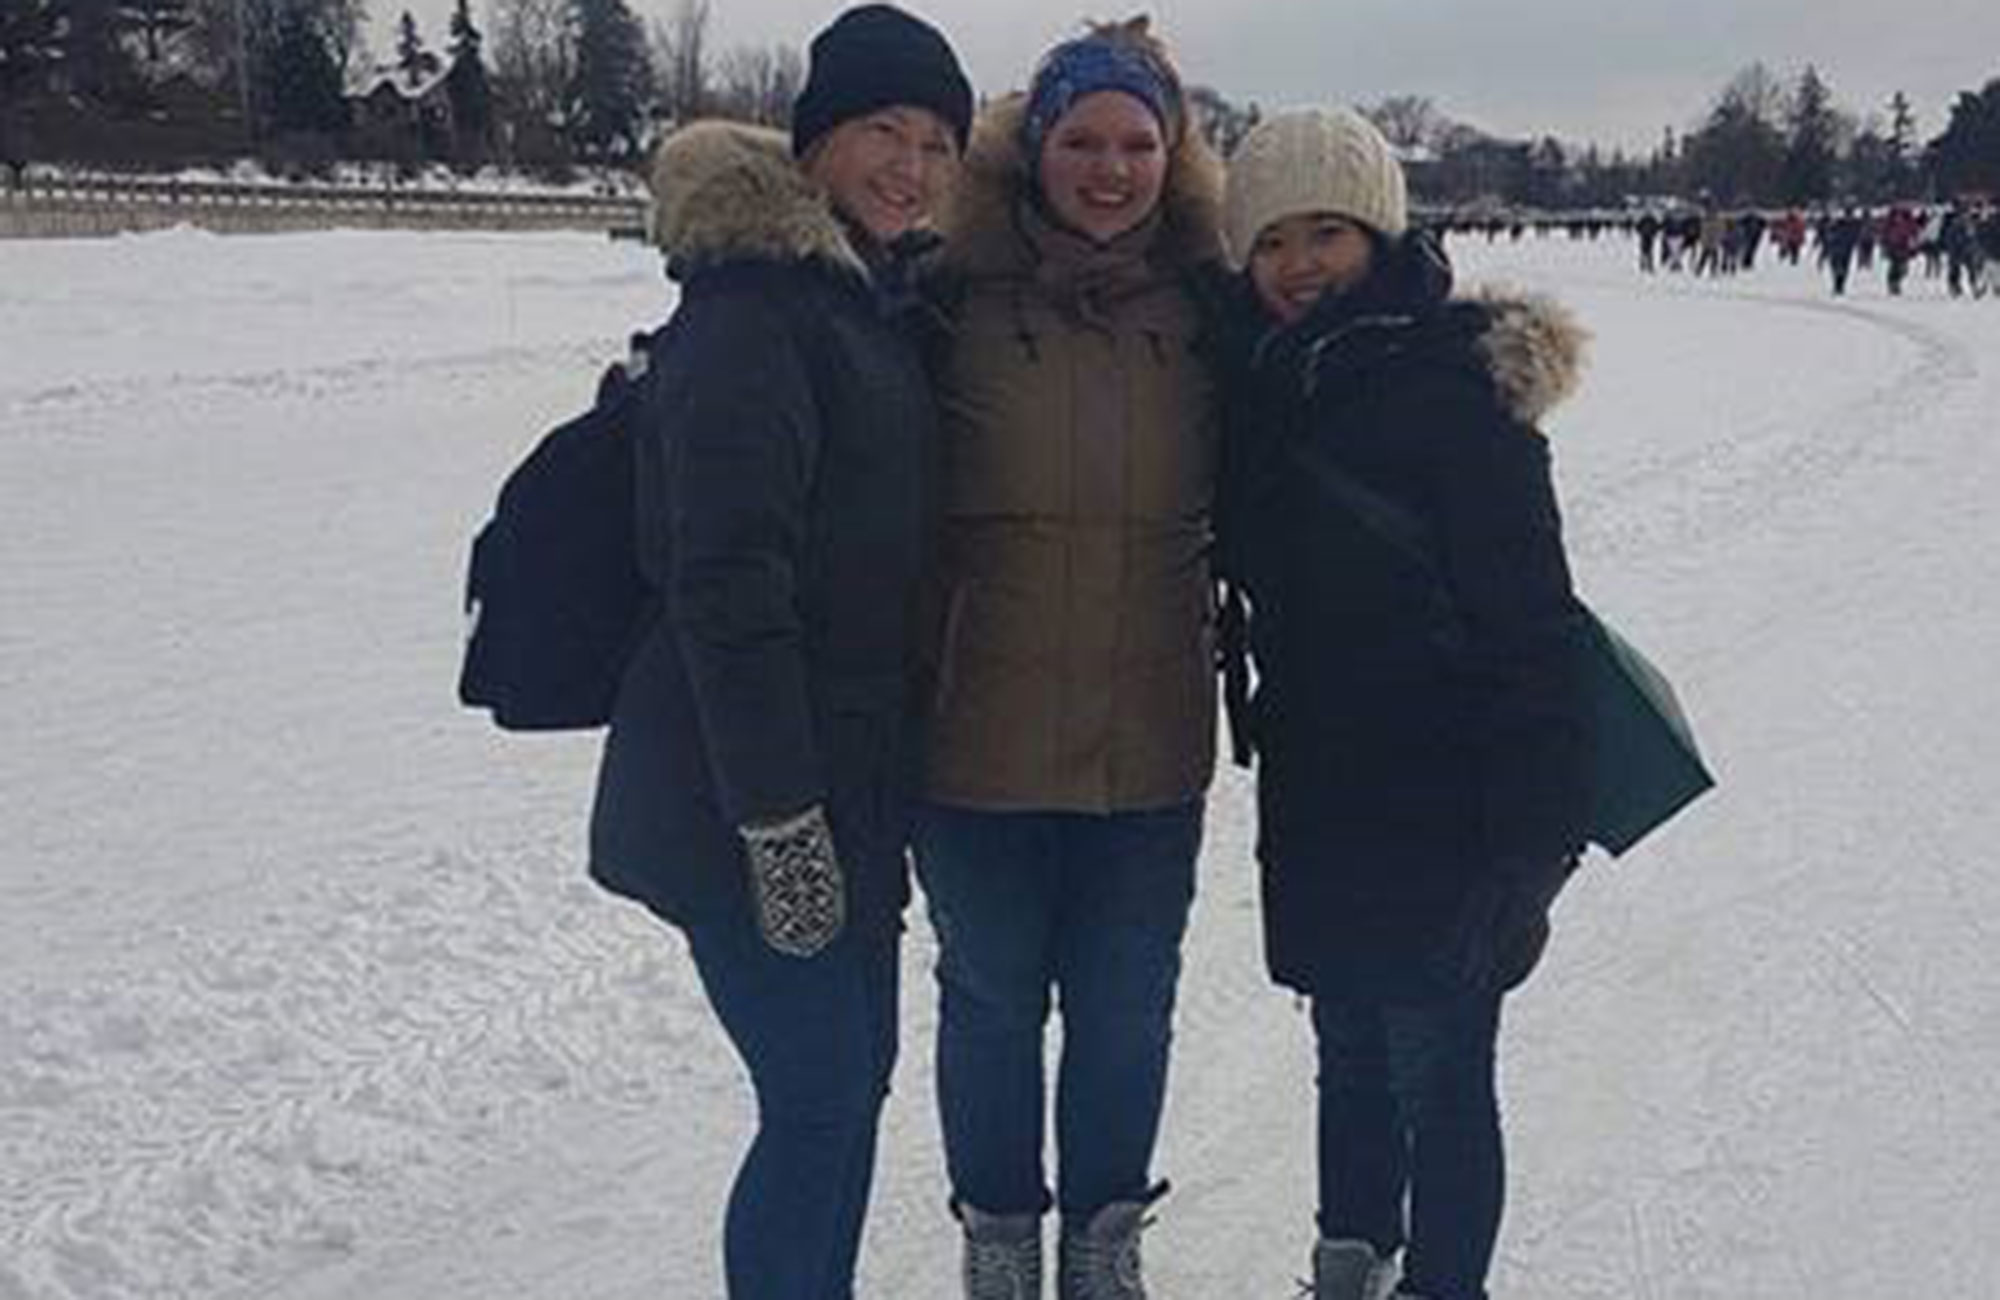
<point>1407,1109</point>
<point>819,1039</point>
<point>1090,909</point>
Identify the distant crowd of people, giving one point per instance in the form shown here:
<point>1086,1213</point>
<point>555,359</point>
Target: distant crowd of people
<point>1954,242</point>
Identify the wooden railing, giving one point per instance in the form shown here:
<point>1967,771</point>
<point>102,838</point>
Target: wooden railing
<point>104,205</point>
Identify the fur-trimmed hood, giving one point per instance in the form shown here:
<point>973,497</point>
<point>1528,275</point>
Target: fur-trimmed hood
<point>723,192</point>
<point>979,222</point>
<point>1532,347</point>
<point>1527,346</point>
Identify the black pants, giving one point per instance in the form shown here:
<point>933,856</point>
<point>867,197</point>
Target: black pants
<point>1409,1135</point>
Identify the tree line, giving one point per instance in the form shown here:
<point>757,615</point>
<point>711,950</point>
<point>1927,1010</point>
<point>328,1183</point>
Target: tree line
<point>559,82</point>
<point>1763,142</point>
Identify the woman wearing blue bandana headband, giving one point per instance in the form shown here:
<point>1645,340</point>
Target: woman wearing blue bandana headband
<point>1068,651</point>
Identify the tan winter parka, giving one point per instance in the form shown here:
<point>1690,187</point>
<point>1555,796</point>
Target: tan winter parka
<point>1069,650</point>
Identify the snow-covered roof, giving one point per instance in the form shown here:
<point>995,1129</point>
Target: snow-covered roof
<point>394,77</point>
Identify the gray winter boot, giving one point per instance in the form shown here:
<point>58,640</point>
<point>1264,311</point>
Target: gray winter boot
<point>1350,1270</point>
<point>1003,1255</point>
<point>1101,1261</point>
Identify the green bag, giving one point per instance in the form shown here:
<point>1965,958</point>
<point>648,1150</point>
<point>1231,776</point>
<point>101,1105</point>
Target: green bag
<point>1647,766</point>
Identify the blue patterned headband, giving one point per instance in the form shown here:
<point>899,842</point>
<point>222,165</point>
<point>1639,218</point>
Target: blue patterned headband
<point>1085,66</point>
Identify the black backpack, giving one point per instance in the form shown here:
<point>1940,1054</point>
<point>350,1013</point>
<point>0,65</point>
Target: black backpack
<point>554,596</point>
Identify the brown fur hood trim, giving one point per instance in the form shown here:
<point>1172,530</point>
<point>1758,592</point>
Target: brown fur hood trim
<point>723,191</point>
<point>1532,346</point>
<point>978,224</point>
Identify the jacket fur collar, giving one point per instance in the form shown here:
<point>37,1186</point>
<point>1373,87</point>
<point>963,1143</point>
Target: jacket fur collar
<point>979,224</point>
<point>1528,346</point>
<point>724,192</point>
<point>1532,348</point>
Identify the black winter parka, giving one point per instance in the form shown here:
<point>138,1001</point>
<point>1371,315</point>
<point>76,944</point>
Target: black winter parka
<point>783,490</point>
<point>1416,727</point>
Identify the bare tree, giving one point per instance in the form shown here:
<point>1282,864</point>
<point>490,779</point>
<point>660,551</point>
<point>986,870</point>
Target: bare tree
<point>1409,122</point>
<point>757,83</point>
<point>346,26</point>
<point>680,61</point>
<point>788,78</point>
<point>1756,94</point>
<point>534,56</point>
<point>1222,123</point>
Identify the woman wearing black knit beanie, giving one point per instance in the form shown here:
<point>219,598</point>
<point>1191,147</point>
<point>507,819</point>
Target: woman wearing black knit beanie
<point>751,792</point>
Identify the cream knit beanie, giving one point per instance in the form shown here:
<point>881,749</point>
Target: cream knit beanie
<point>1313,160</point>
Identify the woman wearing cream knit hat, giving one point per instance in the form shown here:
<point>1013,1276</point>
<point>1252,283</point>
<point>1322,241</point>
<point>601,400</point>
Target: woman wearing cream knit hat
<point>1419,719</point>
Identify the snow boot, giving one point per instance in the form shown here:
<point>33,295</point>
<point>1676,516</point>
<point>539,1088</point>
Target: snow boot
<point>1003,1254</point>
<point>1347,1269</point>
<point>1101,1260</point>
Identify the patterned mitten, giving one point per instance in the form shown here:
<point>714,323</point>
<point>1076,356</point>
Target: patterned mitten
<point>796,888</point>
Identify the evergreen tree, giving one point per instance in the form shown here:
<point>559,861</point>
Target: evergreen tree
<point>412,60</point>
<point>1871,169</point>
<point>1966,158</point>
<point>1902,126</point>
<point>612,87</point>
<point>471,93</point>
<point>1813,137</point>
<point>303,81</point>
<point>30,44</point>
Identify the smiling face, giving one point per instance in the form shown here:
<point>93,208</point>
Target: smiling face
<point>1103,165</point>
<point>886,170</point>
<point>1300,258</point>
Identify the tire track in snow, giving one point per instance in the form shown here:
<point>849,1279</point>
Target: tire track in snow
<point>1730,483</point>
<point>252,1110</point>
<point>41,411</point>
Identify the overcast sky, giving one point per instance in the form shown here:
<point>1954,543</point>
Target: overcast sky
<point>1612,71</point>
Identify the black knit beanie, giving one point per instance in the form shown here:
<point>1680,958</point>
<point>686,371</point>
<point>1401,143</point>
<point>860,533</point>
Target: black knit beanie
<point>872,57</point>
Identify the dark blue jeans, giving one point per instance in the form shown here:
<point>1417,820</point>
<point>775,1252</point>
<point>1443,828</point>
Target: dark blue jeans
<point>1407,1110</point>
<point>1087,909</point>
<point>819,1039</point>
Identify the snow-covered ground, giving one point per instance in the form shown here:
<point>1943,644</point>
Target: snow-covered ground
<point>303,995</point>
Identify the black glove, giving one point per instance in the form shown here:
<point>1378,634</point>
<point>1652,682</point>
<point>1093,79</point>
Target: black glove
<point>796,888</point>
<point>1501,927</point>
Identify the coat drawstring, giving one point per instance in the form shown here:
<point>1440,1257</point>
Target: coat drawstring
<point>1023,335</point>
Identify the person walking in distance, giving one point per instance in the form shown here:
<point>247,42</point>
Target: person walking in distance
<point>1839,236</point>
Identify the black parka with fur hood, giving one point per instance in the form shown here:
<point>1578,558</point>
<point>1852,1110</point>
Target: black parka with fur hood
<point>1414,730</point>
<point>782,493</point>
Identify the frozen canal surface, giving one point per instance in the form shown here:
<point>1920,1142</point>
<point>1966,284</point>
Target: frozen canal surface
<point>303,995</point>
